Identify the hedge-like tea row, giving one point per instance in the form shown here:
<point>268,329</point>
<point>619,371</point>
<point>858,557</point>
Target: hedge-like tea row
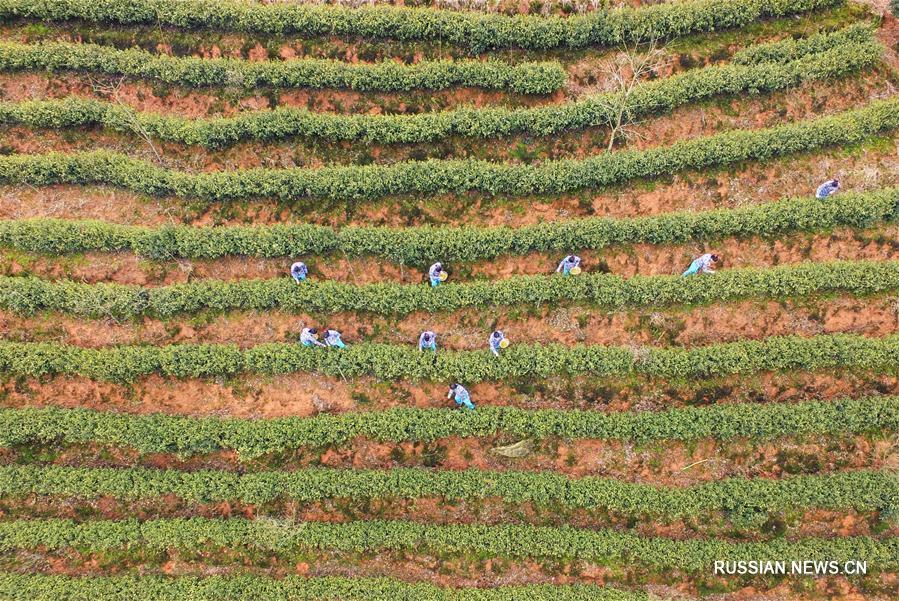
<point>360,183</point>
<point>243,587</point>
<point>251,438</point>
<point>656,96</point>
<point>790,49</point>
<point>26,295</point>
<point>420,245</point>
<point>476,31</point>
<point>861,491</point>
<point>286,538</point>
<point>393,362</point>
<point>387,76</point>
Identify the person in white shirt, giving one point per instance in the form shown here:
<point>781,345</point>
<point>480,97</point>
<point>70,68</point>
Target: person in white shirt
<point>702,264</point>
<point>435,274</point>
<point>458,393</point>
<point>332,339</point>
<point>827,189</point>
<point>568,263</point>
<point>427,340</point>
<point>496,342</point>
<point>299,271</point>
<point>309,337</point>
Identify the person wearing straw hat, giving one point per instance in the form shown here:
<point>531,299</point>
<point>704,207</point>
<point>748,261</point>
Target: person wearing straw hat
<point>427,340</point>
<point>702,264</point>
<point>497,341</point>
<point>436,274</point>
<point>299,271</point>
<point>332,339</point>
<point>461,396</point>
<point>309,337</point>
<point>570,265</point>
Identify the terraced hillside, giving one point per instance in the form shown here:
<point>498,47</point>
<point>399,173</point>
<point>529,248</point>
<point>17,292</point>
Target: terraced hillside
<point>164,436</point>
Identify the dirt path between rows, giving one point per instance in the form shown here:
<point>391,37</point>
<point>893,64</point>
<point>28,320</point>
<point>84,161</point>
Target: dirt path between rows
<point>193,103</point>
<point>308,394</point>
<point>662,463</point>
<point>469,329</point>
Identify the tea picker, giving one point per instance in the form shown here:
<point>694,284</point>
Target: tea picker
<point>702,264</point>
<point>332,339</point>
<point>498,341</point>
<point>427,340</point>
<point>461,396</point>
<point>299,271</point>
<point>309,337</point>
<point>827,188</point>
<point>437,275</point>
<point>570,265</point>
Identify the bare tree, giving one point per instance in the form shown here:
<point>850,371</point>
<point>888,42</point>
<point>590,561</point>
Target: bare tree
<point>631,66</point>
<point>111,90</point>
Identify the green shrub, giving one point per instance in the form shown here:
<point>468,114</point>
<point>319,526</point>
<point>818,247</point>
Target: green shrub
<point>28,295</point>
<point>862,491</point>
<point>148,587</point>
<point>393,362</point>
<point>477,31</point>
<point>524,78</point>
<point>420,245</point>
<point>362,183</point>
<point>283,537</point>
<point>790,49</point>
<point>648,98</point>
<point>252,438</point>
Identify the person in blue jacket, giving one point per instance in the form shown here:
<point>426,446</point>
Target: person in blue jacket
<point>568,263</point>
<point>299,271</point>
<point>827,189</point>
<point>427,340</point>
<point>461,396</point>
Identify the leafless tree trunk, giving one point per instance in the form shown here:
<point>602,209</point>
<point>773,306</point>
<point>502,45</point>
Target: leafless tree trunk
<point>631,66</point>
<point>112,90</point>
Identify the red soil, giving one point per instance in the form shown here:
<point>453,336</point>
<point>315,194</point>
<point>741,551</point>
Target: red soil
<point>468,329</point>
<point>305,394</point>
